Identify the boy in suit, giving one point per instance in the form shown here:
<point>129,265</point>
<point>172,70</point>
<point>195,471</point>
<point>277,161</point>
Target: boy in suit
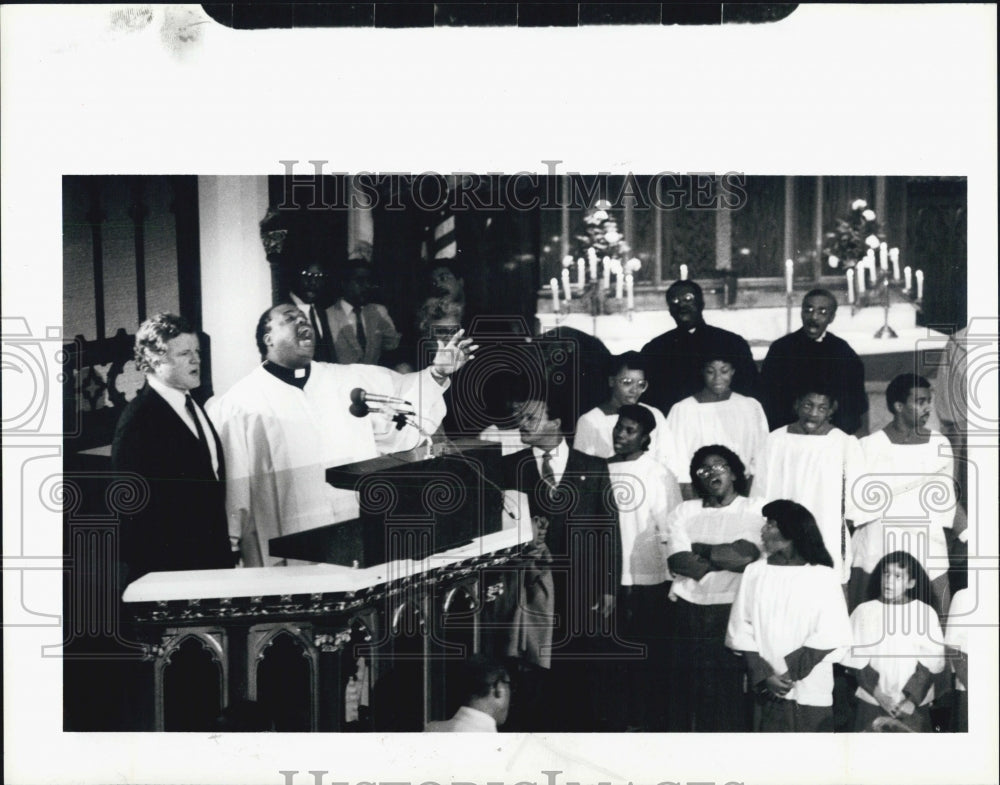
<point>576,559</point>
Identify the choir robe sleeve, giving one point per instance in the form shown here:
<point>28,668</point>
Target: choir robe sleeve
<point>419,388</point>
<point>741,634</point>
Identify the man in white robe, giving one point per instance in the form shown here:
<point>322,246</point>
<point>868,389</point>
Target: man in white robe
<point>288,421</point>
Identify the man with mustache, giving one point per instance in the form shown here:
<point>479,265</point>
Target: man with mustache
<point>675,359</point>
<point>814,356</point>
<point>288,421</point>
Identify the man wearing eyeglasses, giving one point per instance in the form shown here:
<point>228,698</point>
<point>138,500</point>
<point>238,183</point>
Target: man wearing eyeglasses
<point>308,293</point>
<point>675,359</point>
<point>813,355</point>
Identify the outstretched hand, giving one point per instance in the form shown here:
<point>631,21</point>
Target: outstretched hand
<point>452,355</point>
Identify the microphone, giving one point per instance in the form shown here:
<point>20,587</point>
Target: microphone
<point>363,396</point>
<point>359,410</point>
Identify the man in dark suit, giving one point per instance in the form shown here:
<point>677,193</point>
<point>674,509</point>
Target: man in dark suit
<point>308,292</point>
<point>166,438</point>
<point>574,569</point>
<point>675,359</point>
<point>812,355</point>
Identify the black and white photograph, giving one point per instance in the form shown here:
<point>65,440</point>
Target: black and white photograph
<point>586,414</point>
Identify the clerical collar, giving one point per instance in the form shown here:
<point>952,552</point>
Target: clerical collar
<point>297,377</point>
<point>815,340</point>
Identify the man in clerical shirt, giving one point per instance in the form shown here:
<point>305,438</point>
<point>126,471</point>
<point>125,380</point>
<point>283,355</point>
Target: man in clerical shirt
<point>288,421</point>
<point>812,355</point>
<point>165,437</point>
<point>675,359</point>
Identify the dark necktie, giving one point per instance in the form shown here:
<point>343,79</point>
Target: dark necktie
<point>317,329</point>
<point>548,475</point>
<point>359,327</point>
<point>189,405</point>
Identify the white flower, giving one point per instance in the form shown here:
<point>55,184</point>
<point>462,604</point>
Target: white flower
<point>834,261</point>
<point>633,265</point>
<point>872,241</point>
<point>612,236</point>
<point>567,261</point>
<point>859,204</point>
<point>868,215</point>
<point>600,215</point>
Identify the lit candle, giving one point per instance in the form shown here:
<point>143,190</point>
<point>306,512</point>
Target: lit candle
<point>894,258</point>
<point>565,281</point>
<point>920,284</point>
<point>630,292</point>
<point>789,272</point>
<point>861,280</point>
<point>850,287</point>
<point>607,273</point>
<point>619,283</point>
<point>883,257</point>
<point>554,286</point>
<point>593,268</point>
<point>684,272</point>
<point>907,278</point>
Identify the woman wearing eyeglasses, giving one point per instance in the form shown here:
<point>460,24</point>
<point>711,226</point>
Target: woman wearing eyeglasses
<point>710,541</point>
<point>627,381</point>
<point>713,415</point>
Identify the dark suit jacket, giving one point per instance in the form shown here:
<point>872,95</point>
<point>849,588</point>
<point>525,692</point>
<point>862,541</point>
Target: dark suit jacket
<point>183,526</point>
<point>674,363</point>
<point>795,359</point>
<point>583,534</point>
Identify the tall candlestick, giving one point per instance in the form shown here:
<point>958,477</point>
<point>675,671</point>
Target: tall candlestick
<point>607,273</point>
<point>883,257</point>
<point>567,292</point>
<point>850,287</point>
<point>619,284</point>
<point>920,284</point>
<point>789,273</point>
<point>629,292</point>
<point>554,286</point>
<point>861,279</point>
<point>907,278</point>
<point>684,272</point>
<point>894,258</point>
<point>593,268</point>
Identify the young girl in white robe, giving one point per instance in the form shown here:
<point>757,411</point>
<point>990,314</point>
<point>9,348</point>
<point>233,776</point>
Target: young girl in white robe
<point>789,621</point>
<point>815,464</point>
<point>898,646</point>
<point>627,381</point>
<point>714,415</point>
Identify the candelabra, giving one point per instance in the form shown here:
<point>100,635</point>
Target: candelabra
<point>880,293</point>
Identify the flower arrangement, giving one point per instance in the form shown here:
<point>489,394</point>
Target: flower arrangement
<point>853,237</point>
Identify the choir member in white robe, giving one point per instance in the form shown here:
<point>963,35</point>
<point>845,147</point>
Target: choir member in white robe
<point>288,421</point>
<point>790,623</point>
<point>898,647</point>
<point>709,543</point>
<point>645,492</point>
<point>908,484</point>
<point>627,383</point>
<point>714,415</point>
<point>815,464</point>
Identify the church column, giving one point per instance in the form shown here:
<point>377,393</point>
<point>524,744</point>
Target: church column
<point>235,275</point>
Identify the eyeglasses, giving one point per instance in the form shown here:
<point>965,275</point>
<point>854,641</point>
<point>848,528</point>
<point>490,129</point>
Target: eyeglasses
<point>709,471</point>
<point>639,384</point>
<point>313,276</point>
<point>677,299</point>
<point>809,310</point>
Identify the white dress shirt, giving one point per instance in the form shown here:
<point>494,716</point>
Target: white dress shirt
<point>175,398</point>
<point>558,456</point>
